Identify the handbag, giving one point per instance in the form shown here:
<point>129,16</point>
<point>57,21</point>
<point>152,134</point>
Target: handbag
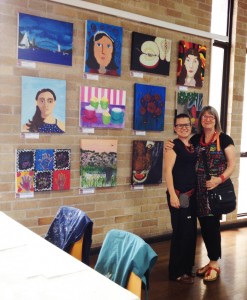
<point>184,200</point>
<point>222,199</point>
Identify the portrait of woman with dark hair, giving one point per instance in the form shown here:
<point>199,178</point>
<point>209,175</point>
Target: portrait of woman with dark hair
<point>103,49</point>
<point>191,64</point>
<point>41,117</point>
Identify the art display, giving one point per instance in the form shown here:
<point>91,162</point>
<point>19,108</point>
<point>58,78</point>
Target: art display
<point>43,108</point>
<point>149,107</point>
<point>191,64</point>
<point>45,40</point>
<point>150,54</point>
<point>147,162</point>
<point>102,107</point>
<point>39,170</point>
<point>98,163</point>
<point>190,103</point>
<point>103,48</point>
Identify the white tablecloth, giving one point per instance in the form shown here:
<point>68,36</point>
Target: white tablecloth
<point>31,268</point>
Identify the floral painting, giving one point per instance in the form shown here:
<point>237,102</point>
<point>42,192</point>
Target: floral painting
<point>191,64</point>
<point>98,163</point>
<point>45,40</point>
<point>147,162</point>
<point>149,107</point>
<point>102,107</point>
<point>39,170</point>
<point>190,103</point>
<point>103,48</point>
<point>43,108</point>
<point>150,54</point>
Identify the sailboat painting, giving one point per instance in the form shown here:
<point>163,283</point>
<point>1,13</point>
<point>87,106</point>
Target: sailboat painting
<point>45,40</point>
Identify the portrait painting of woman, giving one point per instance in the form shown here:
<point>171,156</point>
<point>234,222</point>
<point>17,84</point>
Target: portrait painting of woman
<point>43,105</point>
<point>191,64</point>
<point>103,49</point>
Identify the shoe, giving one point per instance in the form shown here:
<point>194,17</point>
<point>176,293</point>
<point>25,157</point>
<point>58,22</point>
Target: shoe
<point>210,269</point>
<point>185,279</point>
<point>202,271</point>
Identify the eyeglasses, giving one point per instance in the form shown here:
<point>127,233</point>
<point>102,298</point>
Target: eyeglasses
<point>180,126</point>
<point>206,117</point>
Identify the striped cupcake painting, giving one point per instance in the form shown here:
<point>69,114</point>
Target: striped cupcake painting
<point>102,107</point>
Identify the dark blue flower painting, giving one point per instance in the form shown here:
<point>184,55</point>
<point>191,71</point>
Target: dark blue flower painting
<point>149,107</point>
<point>45,40</point>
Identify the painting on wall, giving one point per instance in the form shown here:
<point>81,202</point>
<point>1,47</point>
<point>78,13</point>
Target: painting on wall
<point>98,163</point>
<point>45,40</point>
<point>39,170</point>
<point>150,54</point>
<point>147,162</point>
<point>103,48</point>
<point>43,108</point>
<point>190,103</point>
<point>102,107</point>
<point>191,64</point>
<point>149,107</point>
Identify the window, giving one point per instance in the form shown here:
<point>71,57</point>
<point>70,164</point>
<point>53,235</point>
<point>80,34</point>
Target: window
<point>219,73</point>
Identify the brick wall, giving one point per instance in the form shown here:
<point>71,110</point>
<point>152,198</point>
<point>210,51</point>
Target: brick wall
<point>143,212</point>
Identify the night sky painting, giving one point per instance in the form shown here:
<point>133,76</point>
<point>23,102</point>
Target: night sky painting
<point>45,40</point>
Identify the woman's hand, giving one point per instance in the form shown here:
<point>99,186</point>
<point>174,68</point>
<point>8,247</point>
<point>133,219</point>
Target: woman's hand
<point>169,145</point>
<point>174,202</point>
<point>213,182</point>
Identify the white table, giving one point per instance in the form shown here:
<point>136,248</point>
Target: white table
<point>31,268</point>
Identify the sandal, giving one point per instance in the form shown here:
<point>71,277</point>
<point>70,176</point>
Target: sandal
<point>210,269</point>
<point>202,271</point>
<point>185,279</point>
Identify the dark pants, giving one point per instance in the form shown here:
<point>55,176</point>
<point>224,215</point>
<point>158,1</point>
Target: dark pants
<point>183,241</point>
<point>210,228</point>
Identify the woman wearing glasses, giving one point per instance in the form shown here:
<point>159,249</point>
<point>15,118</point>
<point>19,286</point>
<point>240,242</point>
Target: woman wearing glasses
<point>221,163</point>
<point>180,179</point>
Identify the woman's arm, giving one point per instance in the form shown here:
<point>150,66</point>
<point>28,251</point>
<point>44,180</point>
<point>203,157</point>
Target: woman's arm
<point>231,161</point>
<point>170,158</point>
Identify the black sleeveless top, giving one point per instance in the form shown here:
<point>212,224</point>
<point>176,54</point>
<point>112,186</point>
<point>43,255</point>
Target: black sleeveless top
<point>184,174</point>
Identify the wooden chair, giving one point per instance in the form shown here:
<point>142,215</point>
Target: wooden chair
<point>135,284</point>
<point>76,249</point>
<point>122,256</point>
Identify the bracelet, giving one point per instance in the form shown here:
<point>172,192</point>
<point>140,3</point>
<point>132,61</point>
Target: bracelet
<point>222,177</point>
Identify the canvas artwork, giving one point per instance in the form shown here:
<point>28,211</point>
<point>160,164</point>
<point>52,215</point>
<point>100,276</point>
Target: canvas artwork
<point>150,54</point>
<point>102,107</point>
<point>149,107</point>
<point>39,170</point>
<point>147,162</point>
<point>191,64</point>
<point>98,163</point>
<point>43,107</point>
<point>103,48</point>
<point>190,103</point>
<point>45,40</point>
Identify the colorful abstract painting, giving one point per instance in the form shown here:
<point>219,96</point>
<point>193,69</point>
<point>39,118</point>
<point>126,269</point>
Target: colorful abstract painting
<point>43,108</point>
<point>102,107</point>
<point>98,163</point>
<point>149,107</point>
<point>191,64</point>
<point>103,48</point>
<point>39,170</point>
<point>147,162</point>
<point>190,103</point>
<point>45,40</point>
<point>150,54</point>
